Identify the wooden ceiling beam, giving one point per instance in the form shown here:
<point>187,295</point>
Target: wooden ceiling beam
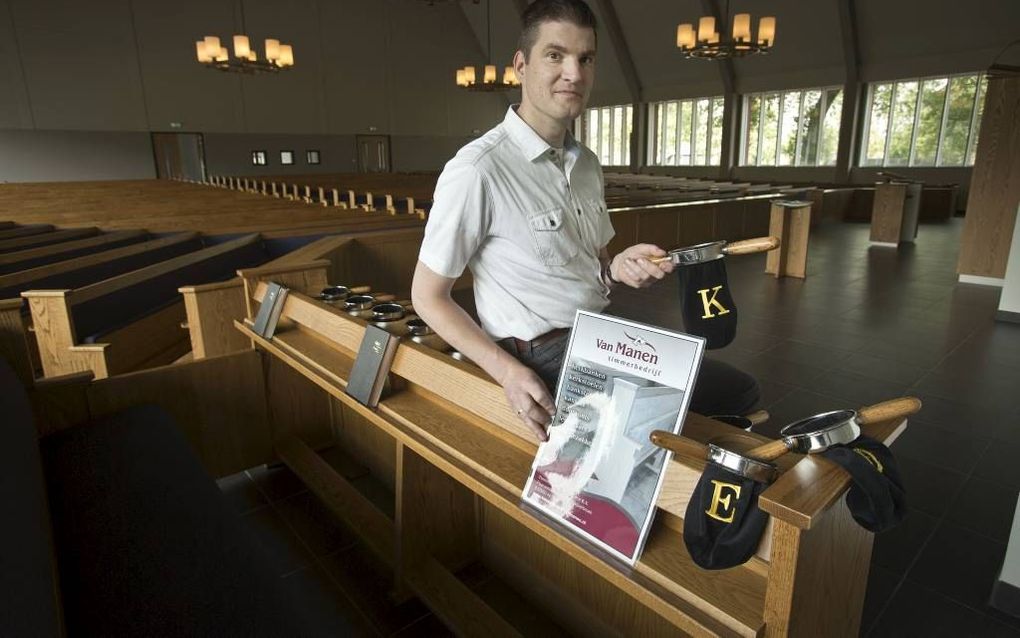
<point>851,89</point>
<point>615,32</point>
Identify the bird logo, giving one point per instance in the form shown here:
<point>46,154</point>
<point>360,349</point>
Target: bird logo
<point>640,341</point>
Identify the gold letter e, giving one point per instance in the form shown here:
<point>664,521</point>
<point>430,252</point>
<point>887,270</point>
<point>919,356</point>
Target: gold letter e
<point>719,500</point>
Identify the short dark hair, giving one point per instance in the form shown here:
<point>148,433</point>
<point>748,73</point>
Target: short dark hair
<point>574,11</point>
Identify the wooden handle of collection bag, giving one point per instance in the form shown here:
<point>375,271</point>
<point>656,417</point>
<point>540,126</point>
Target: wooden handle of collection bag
<point>360,290</point>
<point>749,246</point>
<point>769,451</point>
<point>758,417</point>
<point>659,260</point>
<point>894,408</point>
<point>387,297</point>
<point>679,444</point>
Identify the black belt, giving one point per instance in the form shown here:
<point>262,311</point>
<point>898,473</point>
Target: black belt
<point>524,346</point>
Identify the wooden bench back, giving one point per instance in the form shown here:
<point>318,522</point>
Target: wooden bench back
<point>40,256</point>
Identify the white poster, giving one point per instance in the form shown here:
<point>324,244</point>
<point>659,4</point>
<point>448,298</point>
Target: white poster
<point>598,473</point>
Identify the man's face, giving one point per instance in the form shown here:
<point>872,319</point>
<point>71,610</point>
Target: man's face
<point>558,75</point>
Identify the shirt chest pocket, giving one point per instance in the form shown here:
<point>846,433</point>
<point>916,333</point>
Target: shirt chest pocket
<point>554,242</point>
<point>593,220</point>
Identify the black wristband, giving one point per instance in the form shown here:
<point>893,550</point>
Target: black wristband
<point>610,280</point>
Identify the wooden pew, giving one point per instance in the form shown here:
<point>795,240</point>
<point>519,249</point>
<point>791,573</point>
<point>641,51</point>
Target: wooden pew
<point>454,456</point>
<point>14,340</point>
<point>34,257</point>
<point>132,320</point>
<point>81,271</point>
<point>384,261</point>
<point>688,223</point>
<point>24,231</point>
<point>43,239</point>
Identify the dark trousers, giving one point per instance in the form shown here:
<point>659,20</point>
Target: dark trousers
<point>719,389</point>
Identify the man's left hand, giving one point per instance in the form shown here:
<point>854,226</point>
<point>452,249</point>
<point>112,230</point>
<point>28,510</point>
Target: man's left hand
<point>634,266</point>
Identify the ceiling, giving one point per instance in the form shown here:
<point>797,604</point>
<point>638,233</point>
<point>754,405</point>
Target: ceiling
<point>895,39</point>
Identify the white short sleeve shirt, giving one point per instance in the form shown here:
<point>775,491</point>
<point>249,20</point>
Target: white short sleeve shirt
<point>529,221</point>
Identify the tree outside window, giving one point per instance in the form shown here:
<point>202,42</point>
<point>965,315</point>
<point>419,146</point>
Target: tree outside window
<point>792,128</point>
<point>923,121</point>
<point>686,132</point>
<point>606,131</point>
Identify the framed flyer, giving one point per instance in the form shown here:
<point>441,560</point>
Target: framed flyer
<point>598,474</point>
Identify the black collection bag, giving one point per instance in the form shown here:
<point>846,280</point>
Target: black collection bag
<point>723,524</point>
<point>706,303</point>
<point>877,499</point>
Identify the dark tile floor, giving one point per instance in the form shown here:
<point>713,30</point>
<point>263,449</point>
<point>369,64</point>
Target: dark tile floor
<point>869,323</point>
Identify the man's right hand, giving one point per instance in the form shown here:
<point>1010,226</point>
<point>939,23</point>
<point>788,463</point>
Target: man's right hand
<point>528,397</point>
<point>526,393</point>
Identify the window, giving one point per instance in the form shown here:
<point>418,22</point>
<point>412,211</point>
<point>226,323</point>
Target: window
<point>258,158</point>
<point>286,157</point>
<point>792,128</point>
<point>606,131</point>
<point>311,157</point>
<point>923,121</point>
<point>686,132</point>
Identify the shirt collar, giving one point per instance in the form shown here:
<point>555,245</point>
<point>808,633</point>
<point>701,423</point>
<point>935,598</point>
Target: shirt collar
<point>531,143</point>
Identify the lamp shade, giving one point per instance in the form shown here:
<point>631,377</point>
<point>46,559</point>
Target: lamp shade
<point>200,52</point>
<point>212,47</point>
<point>510,76</point>
<point>469,75</point>
<point>706,27</point>
<point>272,50</point>
<point>742,27</point>
<point>767,31</point>
<point>685,36</point>
<point>241,46</point>
<point>286,55</point>
<point>490,74</point>
<point>222,56</point>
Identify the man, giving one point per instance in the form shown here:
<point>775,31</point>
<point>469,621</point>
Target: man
<point>523,207</point>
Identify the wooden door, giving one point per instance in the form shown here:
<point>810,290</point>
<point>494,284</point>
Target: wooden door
<point>179,155</point>
<point>374,153</point>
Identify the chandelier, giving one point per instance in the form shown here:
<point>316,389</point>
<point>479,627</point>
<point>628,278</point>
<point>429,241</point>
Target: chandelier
<point>705,42</point>
<point>467,77</point>
<point>214,56</point>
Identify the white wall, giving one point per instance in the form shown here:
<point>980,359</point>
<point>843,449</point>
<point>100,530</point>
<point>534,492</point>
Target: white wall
<point>130,65</point>
<point>362,66</point>
<point>57,156</point>
<point>230,153</point>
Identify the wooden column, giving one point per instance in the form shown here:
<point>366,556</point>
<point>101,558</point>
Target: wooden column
<point>994,187</point>
<point>790,221</point>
